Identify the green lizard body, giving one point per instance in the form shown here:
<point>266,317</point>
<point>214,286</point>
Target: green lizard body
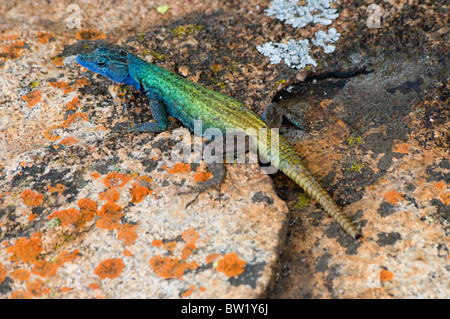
<point>171,94</point>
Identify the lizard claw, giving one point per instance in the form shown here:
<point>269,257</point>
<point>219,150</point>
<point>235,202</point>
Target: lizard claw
<point>202,187</point>
<point>120,131</point>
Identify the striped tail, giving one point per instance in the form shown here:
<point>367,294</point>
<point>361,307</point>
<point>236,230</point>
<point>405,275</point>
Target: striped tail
<point>290,164</point>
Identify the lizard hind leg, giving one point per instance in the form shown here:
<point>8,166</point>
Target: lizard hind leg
<point>218,172</point>
<point>230,147</point>
<point>215,166</point>
<point>273,116</point>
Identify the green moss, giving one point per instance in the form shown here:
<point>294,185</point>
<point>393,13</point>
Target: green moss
<point>68,237</point>
<point>303,201</point>
<point>232,66</point>
<point>156,55</point>
<point>352,141</point>
<point>219,84</point>
<point>356,167</point>
<point>184,30</point>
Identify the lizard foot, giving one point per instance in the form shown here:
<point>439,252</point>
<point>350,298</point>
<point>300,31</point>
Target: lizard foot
<point>218,172</point>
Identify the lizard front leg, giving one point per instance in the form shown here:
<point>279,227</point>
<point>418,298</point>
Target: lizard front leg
<point>159,114</point>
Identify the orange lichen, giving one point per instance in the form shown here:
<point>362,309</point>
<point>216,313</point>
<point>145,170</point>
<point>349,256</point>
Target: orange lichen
<point>157,243</point>
<point>21,274</point>
<point>58,61</point>
<point>26,249</point>
<point>32,98</point>
<point>445,198</point>
<point>127,253</point>
<point>180,168</point>
<point>90,35</point>
<point>127,233</point>
<point>145,178</point>
<point>111,195</point>
<point>116,179</point>
<point>386,275</point>
<point>20,295</point>
<point>168,267</point>
<point>189,291</point>
<point>439,185</point>
<point>58,189</point>
<point>12,49</point>
<point>31,217</point>
<point>2,273</point>
<point>202,176</point>
<point>72,118</point>
<point>73,104</point>
<point>10,37</point>
<point>62,86</point>
<point>81,82</point>
<point>45,268</point>
<point>50,136</point>
<point>72,216</point>
<point>190,236</point>
<point>211,257</point>
<point>187,251</point>
<point>170,246</point>
<point>36,288</point>
<point>393,197</point>
<point>65,256</point>
<point>69,141</point>
<point>110,215</point>
<point>109,268</point>
<point>88,209</point>
<point>107,224</point>
<point>402,148</point>
<point>133,175</point>
<point>94,286</point>
<point>31,198</point>
<point>95,175</point>
<point>67,216</point>
<point>326,103</point>
<point>44,37</point>
<point>231,265</point>
<point>138,193</point>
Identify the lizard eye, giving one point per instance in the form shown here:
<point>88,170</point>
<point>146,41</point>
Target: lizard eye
<point>101,61</point>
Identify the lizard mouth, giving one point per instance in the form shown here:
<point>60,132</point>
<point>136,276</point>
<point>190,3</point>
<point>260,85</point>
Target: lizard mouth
<point>84,60</point>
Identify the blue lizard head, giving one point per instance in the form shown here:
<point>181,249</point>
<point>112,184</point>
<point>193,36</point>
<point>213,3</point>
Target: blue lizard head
<point>110,63</point>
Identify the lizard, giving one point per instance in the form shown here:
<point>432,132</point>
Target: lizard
<point>171,94</point>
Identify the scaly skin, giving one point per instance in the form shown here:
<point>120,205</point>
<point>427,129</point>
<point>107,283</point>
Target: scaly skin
<point>188,101</point>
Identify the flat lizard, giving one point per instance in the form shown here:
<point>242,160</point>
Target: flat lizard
<point>172,94</point>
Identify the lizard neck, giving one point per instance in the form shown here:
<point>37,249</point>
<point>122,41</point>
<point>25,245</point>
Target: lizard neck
<point>141,73</point>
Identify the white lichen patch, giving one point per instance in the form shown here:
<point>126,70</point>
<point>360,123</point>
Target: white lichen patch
<point>296,54</point>
<point>322,37</point>
<point>315,11</point>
